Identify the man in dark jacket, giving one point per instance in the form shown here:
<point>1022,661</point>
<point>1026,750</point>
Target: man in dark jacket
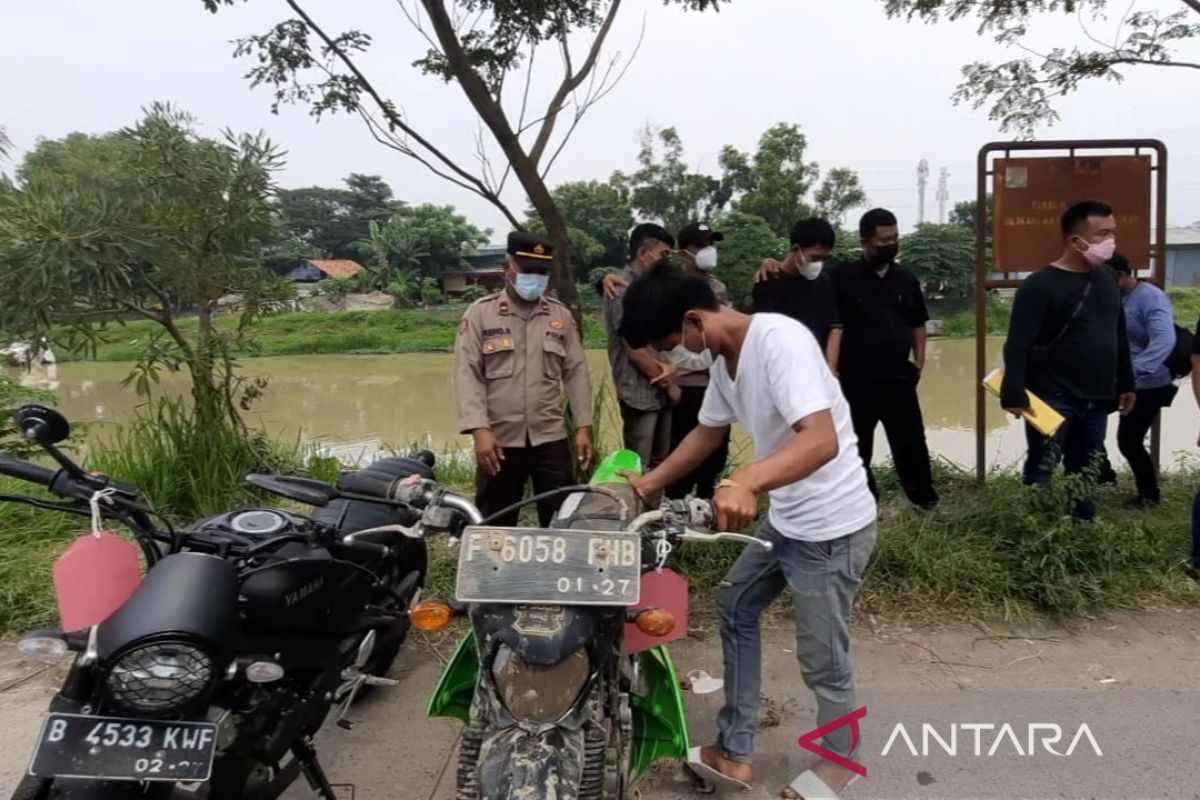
<point>883,318</point>
<point>1067,344</point>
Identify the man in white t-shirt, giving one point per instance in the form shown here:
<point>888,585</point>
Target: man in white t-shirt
<point>769,374</point>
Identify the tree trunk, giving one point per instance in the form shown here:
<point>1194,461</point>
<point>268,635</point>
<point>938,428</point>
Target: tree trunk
<point>208,401</point>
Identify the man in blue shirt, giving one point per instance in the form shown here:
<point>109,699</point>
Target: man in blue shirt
<point>1150,325</point>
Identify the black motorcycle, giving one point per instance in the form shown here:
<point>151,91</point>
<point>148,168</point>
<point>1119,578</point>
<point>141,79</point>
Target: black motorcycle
<point>247,629</point>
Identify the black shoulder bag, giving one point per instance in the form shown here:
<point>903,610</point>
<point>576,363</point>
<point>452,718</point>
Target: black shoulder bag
<point>1040,353</point>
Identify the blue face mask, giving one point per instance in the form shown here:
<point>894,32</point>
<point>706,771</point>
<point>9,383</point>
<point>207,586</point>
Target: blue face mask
<point>529,286</point>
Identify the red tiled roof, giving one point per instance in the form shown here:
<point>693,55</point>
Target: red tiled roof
<point>337,267</point>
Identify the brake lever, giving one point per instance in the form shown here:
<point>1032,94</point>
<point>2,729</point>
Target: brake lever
<point>690,535</point>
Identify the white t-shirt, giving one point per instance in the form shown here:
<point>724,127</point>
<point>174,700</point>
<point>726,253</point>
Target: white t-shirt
<point>783,378</point>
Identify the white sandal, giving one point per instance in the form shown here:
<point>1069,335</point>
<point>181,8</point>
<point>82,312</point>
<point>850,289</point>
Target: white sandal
<point>809,786</point>
<point>707,773</point>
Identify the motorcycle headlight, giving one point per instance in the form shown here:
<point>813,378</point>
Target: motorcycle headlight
<point>160,678</point>
<point>536,693</point>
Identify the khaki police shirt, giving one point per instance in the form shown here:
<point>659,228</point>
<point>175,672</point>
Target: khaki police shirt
<point>512,363</point>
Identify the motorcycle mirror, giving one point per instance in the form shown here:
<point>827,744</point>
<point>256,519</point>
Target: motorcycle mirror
<point>302,490</point>
<point>42,424</point>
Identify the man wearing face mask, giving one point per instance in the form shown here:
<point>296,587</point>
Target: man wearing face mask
<point>698,251</point>
<point>801,286</point>
<point>883,316</point>
<point>1067,344</point>
<point>644,381</point>
<point>517,352</point>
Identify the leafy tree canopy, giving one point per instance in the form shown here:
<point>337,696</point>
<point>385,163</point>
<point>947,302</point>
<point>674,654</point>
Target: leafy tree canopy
<point>772,183</point>
<point>665,189</point>
<point>601,210</point>
<point>327,222</point>
<point>748,240</point>
<point>1020,94</point>
<point>150,222</point>
<point>943,258</point>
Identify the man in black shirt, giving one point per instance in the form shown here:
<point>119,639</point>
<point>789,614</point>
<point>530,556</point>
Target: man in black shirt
<point>1067,344</point>
<point>801,286</point>
<point>883,318</point>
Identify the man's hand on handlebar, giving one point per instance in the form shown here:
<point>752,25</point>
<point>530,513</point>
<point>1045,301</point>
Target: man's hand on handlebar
<point>736,506</point>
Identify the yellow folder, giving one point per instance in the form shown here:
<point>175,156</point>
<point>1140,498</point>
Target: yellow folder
<point>1044,418</point>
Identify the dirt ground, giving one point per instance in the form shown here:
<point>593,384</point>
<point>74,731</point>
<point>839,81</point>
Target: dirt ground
<point>395,753</point>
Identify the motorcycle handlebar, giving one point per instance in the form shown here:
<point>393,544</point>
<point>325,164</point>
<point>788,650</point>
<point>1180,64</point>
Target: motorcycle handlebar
<point>25,471</point>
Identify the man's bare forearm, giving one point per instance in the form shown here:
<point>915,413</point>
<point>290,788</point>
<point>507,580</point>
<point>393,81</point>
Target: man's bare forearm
<point>698,445</point>
<point>643,358</point>
<point>814,445</point>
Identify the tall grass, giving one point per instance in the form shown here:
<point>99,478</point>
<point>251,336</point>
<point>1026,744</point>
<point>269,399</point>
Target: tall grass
<point>188,470</point>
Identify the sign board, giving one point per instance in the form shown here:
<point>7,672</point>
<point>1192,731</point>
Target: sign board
<point>1031,195</point>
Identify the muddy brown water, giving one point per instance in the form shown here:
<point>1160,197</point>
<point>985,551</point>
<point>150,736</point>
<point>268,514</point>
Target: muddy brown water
<point>356,406</point>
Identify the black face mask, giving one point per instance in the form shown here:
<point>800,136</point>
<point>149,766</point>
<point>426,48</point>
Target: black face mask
<point>885,254</point>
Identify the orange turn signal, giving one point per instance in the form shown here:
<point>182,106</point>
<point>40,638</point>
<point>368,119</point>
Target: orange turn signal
<point>655,622</point>
<point>431,615</point>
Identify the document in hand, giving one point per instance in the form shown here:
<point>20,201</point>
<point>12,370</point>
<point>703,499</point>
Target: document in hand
<point>1043,417</point>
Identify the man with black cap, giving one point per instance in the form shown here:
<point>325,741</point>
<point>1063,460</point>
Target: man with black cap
<point>517,352</point>
<point>698,252</point>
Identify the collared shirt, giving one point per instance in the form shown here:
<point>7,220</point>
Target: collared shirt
<point>879,314</point>
<point>633,388</point>
<point>1150,325</point>
<point>512,363</point>
<point>811,302</point>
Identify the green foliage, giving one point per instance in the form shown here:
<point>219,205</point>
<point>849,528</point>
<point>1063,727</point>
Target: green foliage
<point>1021,93</point>
<point>431,292</point>
<point>773,182</point>
<point>12,396</point>
<point>964,211</point>
<point>848,246</point>
<point>665,189</point>
<point>602,211</point>
<point>146,222</point>
<point>188,468</point>
<point>329,223</point>
<point>840,192</point>
<point>943,258</point>
<point>337,288</point>
<point>428,239</point>
<point>748,240</point>
<point>474,292</point>
<point>586,252</point>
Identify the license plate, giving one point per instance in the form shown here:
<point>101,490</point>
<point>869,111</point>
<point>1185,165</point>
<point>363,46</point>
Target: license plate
<point>522,565</point>
<point>114,748</point>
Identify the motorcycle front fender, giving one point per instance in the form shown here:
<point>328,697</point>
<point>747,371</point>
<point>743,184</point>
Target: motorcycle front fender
<point>659,719</point>
<point>516,765</point>
<point>456,688</point>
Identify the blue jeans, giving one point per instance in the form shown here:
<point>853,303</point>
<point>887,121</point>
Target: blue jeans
<point>1077,444</point>
<point>824,576</point>
<point>1196,531</point>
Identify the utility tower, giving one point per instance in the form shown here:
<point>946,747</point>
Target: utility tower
<point>943,194</point>
<point>922,183</point>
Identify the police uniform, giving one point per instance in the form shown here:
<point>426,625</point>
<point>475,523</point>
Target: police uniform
<point>513,360</point>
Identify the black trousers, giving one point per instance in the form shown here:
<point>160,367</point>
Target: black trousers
<point>684,419</point>
<point>895,404</point>
<point>550,467</point>
<point>1131,437</point>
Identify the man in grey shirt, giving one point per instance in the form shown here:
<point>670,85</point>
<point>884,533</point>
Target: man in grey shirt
<point>645,386</point>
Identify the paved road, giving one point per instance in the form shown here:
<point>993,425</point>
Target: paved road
<point>1129,678</point>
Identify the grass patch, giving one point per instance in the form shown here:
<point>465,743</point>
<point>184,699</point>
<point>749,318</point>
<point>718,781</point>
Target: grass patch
<point>321,332</point>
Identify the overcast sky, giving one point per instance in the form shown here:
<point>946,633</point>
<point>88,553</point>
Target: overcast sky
<point>870,93</point>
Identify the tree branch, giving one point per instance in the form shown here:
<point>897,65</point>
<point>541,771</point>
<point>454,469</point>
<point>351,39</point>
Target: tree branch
<point>570,82</point>
<point>387,109</point>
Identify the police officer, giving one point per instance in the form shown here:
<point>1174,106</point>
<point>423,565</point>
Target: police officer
<point>517,352</point>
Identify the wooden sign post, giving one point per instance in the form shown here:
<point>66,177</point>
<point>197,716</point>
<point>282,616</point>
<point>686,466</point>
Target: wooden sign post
<point>1030,194</point>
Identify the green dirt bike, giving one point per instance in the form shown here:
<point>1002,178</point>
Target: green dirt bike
<point>558,700</point>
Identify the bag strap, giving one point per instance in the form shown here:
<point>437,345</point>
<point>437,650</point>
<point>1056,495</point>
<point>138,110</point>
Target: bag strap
<point>1074,314</point>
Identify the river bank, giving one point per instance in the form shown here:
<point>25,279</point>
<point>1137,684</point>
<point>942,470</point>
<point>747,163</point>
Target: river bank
<point>433,330</point>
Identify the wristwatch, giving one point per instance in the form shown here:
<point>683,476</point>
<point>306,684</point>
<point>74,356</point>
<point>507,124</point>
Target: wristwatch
<point>726,483</point>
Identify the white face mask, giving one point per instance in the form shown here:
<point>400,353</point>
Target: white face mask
<point>706,259</point>
<point>812,269</point>
<point>690,361</point>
